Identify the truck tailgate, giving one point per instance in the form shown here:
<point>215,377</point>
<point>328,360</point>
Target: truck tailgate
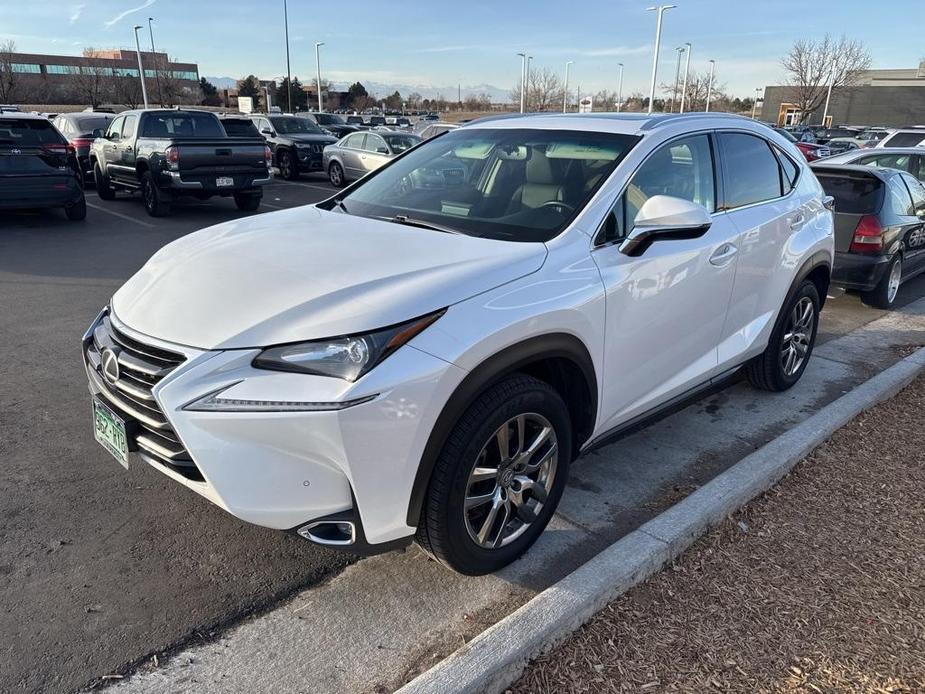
<point>220,156</point>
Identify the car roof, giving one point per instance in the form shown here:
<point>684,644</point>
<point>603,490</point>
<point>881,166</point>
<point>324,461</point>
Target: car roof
<point>612,122</point>
<point>845,157</point>
<point>20,115</point>
<point>86,114</point>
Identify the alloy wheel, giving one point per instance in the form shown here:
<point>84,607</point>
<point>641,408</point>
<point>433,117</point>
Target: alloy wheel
<point>510,480</point>
<point>797,336</point>
<point>896,274</point>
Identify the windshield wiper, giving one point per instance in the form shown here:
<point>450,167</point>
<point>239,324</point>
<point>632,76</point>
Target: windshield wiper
<point>420,223</point>
<point>341,205</point>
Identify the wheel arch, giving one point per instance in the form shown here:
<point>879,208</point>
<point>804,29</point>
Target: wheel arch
<point>560,359</point>
<point>818,270</point>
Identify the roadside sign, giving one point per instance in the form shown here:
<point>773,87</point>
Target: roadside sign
<point>585,104</point>
<point>245,104</point>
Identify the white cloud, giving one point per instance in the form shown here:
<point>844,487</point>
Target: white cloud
<point>616,51</point>
<point>77,11</point>
<point>122,15</point>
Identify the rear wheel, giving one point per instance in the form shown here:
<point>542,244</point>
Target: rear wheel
<point>288,168</point>
<point>247,202</point>
<point>499,477</point>
<point>103,185</point>
<point>784,360</point>
<point>76,211</point>
<point>154,199</point>
<point>336,175</point>
<point>884,294</point>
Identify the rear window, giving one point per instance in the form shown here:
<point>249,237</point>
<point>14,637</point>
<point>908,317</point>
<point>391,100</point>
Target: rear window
<point>905,140</point>
<point>853,194</point>
<point>240,127</point>
<point>88,125</point>
<point>28,132</point>
<point>182,125</point>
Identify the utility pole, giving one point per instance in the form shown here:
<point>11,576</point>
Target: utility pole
<point>687,69</point>
<point>677,80</point>
<point>828,96</point>
<point>141,70</point>
<point>620,91</point>
<point>565,91</point>
<point>288,69</point>
<point>658,42</point>
<point>266,90</point>
<point>710,85</point>
<point>157,79</point>
<point>318,72</point>
<point>523,79</point>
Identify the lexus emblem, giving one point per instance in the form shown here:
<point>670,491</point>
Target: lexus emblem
<point>110,366</point>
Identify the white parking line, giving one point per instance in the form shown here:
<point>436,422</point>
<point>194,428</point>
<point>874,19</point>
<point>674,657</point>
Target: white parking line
<point>275,207</point>
<point>326,189</point>
<point>119,215</point>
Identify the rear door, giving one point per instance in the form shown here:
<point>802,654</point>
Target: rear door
<point>375,153</point>
<point>915,219</point>
<point>112,147</point>
<point>351,151</point>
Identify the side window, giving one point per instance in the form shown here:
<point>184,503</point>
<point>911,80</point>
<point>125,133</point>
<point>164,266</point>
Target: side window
<point>918,168</point>
<point>752,172</point>
<point>900,198</point>
<point>355,141</point>
<point>374,143</point>
<point>128,130</point>
<point>890,161</point>
<point>115,127</point>
<point>917,192</point>
<point>263,124</point>
<point>789,169</point>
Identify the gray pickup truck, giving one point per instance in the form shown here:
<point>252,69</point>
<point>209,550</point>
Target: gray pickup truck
<point>169,153</point>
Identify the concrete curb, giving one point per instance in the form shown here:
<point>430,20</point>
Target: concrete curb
<point>496,658</point>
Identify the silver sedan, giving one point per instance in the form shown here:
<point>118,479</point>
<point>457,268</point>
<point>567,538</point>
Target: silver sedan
<point>909,159</point>
<point>359,153</point>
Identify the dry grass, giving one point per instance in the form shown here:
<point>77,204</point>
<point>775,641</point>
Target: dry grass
<point>819,586</point>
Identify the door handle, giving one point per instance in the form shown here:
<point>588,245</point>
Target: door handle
<point>797,222</point>
<point>723,255</point>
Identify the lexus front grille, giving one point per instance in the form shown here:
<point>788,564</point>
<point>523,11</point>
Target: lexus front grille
<point>128,389</point>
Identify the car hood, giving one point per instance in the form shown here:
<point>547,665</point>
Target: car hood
<point>304,274</point>
<point>311,138</point>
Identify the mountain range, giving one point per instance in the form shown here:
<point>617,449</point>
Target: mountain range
<point>382,89</point>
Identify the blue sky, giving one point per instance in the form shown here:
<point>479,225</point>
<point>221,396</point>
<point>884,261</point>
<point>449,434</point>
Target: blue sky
<point>472,42</point>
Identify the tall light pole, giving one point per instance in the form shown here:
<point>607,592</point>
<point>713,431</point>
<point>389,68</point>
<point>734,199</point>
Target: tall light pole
<point>318,46</point>
<point>288,69</point>
<point>141,70</point>
<point>658,42</point>
<point>828,96</point>
<point>710,85</point>
<point>523,79</point>
<point>620,90</point>
<point>266,91</point>
<point>677,80</point>
<point>687,69</point>
<point>157,79</point>
<point>758,91</point>
<point>565,91</point>
<point>527,78</point>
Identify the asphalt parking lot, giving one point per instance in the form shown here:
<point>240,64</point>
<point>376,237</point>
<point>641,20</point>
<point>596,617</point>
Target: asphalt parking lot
<point>99,567</point>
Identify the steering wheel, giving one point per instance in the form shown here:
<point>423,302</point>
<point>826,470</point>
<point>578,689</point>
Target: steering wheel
<point>557,203</point>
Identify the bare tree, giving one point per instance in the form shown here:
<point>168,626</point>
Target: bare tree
<point>126,90</point>
<point>812,65</point>
<point>7,76</point>
<point>93,82</point>
<point>544,91</point>
<point>695,98</point>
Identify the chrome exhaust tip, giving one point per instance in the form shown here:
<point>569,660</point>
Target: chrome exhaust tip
<point>329,532</point>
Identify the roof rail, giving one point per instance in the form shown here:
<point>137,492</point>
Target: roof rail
<point>660,120</point>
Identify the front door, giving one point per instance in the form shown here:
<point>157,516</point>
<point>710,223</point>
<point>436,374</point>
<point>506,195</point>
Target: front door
<point>666,308</point>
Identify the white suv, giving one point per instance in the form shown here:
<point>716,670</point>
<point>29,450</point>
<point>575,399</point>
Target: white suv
<point>424,354</point>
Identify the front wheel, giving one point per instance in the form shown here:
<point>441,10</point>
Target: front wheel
<point>103,185</point>
<point>288,167</point>
<point>499,477</point>
<point>784,360</point>
<point>884,294</point>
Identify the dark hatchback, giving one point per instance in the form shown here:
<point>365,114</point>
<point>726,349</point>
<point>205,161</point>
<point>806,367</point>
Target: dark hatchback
<point>81,129</point>
<point>38,168</point>
<point>879,228</point>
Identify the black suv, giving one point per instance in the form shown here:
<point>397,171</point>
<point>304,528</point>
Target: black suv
<point>334,124</point>
<point>296,143</point>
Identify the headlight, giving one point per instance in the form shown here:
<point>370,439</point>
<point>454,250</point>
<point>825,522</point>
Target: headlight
<point>342,357</point>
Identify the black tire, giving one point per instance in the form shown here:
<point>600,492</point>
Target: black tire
<point>247,202</point>
<point>288,165</point>
<point>442,531</point>
<point>883,296</point>
<point>336,175</point>
<point>103,185</point>
<point>153,198</point>
<point>767,371</point>
<point>77,211</point>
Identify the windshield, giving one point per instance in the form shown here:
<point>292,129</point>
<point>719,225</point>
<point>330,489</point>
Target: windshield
<point>328,119</point>
<point>516,185</point>
<point>88,125</point>
<point>291,125</point>
<point>399,143</point>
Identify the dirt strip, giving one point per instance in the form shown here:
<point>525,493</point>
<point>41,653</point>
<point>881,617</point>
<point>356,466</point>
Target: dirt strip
<point>818,586</point>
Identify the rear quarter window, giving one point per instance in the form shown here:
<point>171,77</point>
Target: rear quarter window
<point>853,194</point>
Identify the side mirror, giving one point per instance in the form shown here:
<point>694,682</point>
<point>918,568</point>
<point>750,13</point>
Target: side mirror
<point>114,137</point>
<point>267,131</point>
<point>663,218</point>
<point>382,150</point>
<point>98,132</point>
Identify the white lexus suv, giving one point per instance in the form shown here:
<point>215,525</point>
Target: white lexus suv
<point>424,354</point>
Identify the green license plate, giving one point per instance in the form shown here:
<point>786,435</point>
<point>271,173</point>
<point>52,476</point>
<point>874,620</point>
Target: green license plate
<point>109,430</point>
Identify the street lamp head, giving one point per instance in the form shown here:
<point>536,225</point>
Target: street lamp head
<point>319,43</point>
<point>661,8</point>
<point>137,27</point>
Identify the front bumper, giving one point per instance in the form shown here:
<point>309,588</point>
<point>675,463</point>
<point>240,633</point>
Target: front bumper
<point>859,271</point>
<point>310,160</point>
<point>285,470</point>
